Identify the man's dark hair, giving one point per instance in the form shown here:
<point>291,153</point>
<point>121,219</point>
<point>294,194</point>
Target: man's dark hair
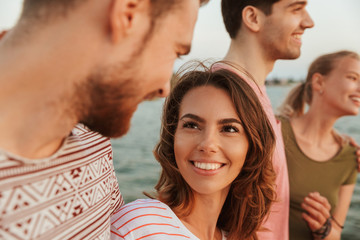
<point>161,7</point>
<point>46,9</point>
<point>232,12</point>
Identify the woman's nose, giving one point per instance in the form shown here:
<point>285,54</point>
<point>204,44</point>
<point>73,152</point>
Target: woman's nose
<point>209,142</point>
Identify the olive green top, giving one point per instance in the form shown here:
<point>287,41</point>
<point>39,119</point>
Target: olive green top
<point>307,175</point>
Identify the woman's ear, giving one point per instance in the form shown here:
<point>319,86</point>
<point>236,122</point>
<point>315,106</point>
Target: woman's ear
<point>317,82</point>
<point>251,18</point>
<point>124,17</point>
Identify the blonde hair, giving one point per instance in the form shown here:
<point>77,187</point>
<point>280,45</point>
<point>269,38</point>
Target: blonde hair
<point>299,96</point>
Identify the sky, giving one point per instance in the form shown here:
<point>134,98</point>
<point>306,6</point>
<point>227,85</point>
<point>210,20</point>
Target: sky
<point>337,27</point>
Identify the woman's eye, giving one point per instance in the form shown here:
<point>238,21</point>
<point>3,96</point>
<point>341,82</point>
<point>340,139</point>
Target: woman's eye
<point>230,129</point>
<point>353,78</point>
<point>191,125</point>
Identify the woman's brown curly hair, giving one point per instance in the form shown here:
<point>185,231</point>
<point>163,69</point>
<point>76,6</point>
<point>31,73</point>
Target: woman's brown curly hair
<point>252,192</point>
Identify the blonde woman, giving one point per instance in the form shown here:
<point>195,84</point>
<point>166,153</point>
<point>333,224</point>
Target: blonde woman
<point>322,165</point>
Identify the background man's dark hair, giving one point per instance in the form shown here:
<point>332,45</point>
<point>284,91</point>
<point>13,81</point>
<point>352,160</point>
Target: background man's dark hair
<point>232,12</point>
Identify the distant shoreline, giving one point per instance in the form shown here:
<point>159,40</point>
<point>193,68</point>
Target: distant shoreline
<point>281,82</point>
<point>269,82</point>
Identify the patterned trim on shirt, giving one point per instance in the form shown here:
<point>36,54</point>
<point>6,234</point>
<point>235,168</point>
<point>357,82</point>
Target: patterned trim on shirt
<point>70,195</point>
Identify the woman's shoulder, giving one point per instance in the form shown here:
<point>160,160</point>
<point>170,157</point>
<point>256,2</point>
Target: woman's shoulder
<point>286,128</point>
<point>148,218</point>
<point>142,202</point>
<point>282,118</point>
<point>139,207</point>
<point>348,151</point>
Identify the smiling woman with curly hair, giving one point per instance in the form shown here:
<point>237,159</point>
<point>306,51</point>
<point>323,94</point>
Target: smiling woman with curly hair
<point>217,179</point>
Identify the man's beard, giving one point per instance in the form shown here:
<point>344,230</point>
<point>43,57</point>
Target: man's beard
<point>111,94</point>
<point>273,43</point>
<point>111,102</point>
<point>274,52</point>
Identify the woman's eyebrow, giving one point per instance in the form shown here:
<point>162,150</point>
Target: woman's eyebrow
<point>229,120</point>
<point>192,116</point>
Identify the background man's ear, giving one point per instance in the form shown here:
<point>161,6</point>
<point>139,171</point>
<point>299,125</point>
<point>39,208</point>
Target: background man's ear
<point>2,34</point>
<point>125,14</point>
<point>251,18</point>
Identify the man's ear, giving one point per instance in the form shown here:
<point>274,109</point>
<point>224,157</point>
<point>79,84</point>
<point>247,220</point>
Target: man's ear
<point>2,33</point>
<point>126,15</point>
<point>251,18</point>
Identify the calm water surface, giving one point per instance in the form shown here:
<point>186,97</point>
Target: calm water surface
<point>138,171</point>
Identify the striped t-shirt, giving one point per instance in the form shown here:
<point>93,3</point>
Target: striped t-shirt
<point>70,195</point>
<point>148,219</point>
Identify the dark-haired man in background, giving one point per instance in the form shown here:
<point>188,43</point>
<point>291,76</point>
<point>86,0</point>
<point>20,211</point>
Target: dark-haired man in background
<point>263,31</point>
<point>70,62</point>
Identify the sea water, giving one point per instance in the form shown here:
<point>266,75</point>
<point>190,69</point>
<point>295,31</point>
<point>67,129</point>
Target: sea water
<point>138,171</point>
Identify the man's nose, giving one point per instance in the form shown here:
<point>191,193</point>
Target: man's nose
<point>307,21</point>
<point>164,91</point>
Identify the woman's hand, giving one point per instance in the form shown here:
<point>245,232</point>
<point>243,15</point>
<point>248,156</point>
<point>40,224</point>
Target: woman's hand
<point>317,210</point>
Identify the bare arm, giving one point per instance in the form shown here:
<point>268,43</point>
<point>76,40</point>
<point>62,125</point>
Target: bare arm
<point>340,212</point>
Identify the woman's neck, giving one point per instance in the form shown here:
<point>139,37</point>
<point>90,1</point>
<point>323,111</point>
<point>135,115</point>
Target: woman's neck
<point>202,221</point>
<point>315,135</point>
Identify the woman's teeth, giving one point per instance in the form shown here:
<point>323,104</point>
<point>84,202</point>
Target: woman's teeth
<point>207,166</point>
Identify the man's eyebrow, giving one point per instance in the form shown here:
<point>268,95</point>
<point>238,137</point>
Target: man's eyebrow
<point>193,116</point>
<point>229,120</point>
<point>353,72</point>
<point>303,3</point>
